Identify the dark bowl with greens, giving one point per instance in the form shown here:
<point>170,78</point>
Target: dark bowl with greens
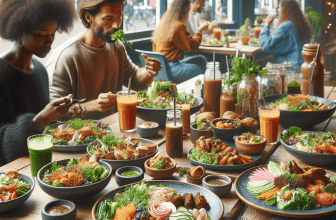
<point>302,145</point>
<point>300,119</point>
<point>97,130</point>
<point>198,129</point>
<point>77,192</point>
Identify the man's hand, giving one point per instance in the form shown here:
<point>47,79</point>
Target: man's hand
<point>106,101</point>
<point>213,25</point>
<point>153,66</point>
<point>269,20</point>
<point>77,111</point>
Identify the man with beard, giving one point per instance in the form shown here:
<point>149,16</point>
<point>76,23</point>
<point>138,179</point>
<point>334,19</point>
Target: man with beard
<point>91,66</point>
<point>194,19</point>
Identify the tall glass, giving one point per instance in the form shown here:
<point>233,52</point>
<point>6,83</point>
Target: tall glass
<point>186,118</point>
<point>127,104</point>
<point>40,151</point>
<point>269,123</point>
<point>174,134</point>
<point>217,33</point>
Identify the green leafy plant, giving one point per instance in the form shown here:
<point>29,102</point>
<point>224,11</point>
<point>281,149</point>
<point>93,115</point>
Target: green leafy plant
<point>260,18</point>
<point>244,30</point>
<point>119,35</point>
<point>317,22</point>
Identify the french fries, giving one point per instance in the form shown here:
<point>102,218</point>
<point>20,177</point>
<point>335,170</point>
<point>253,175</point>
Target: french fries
<point>245,159</point>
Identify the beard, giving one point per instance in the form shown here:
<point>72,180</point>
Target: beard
<point>105,36</point>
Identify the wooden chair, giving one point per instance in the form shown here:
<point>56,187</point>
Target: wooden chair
<point>164,73</point>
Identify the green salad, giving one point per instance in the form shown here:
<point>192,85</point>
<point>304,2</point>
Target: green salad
<point>160,94</point>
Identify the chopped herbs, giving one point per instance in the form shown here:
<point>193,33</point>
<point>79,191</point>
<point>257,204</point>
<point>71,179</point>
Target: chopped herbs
<point>159,164</point>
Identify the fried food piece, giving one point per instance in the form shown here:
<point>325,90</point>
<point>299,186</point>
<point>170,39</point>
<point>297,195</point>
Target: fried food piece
<point>296,169</point>
<point>201,146</point>
<point>201,202</point>
<point>86,131</point>
<point>121,146</point>
<point>247,121</point>
<point>188,200</point>
<point>224,160</point>
<point>312,174</point>
<point>151,147</point>
<point>177,200</point>
<point>196,172</point>
<point>130,154</point>
<point>61,134</point>
<point>12,174</point>
<point>142,151</point>
<point>120,155</point>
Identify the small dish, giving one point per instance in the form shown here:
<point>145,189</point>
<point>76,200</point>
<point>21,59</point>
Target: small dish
<point>222,133</point>
<point>253,128</point>
<point>71,215</point>
<point>195,134</point>
<point>195,180</point>
<point>219,190</point>
<point>159,174</point>
<point>250,148</point>
<point>148,129</point>
<point>123,180</point>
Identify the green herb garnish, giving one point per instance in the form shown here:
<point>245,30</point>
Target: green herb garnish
<point>159,164</point>
<point>183,170</point>
<point>119,35</point>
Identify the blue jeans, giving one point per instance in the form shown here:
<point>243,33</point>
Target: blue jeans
<point>187,68</point>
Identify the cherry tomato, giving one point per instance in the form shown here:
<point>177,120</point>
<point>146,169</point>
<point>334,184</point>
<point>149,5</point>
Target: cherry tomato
<point>325,199</point>
<point>321,182</point>
<point>315,188</point>
<point>287,195</point>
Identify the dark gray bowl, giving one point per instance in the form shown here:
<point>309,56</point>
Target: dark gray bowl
<point>122,180</point>
<point>311,158</point>
<point>222,133</point>
<point>116,164</point>
<point>11,204</point>
<point>218,190</point>
<point>160,115</point>
<point>71,215</point>
<point>148,132</point>
<point>78,192</point>
<point>196,134</point>
<point>301,119</point>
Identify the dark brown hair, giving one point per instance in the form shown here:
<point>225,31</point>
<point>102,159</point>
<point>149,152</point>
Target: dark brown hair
<point>176,12</point>
<point>18,17</point>
<point>292,12</point>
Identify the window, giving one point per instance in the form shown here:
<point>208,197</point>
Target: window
<point>140,15</point>
<point>270,6</point>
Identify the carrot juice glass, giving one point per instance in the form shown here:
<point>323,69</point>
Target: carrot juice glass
<point>127,104</point>
<point>269,123</point>
<point>217,33</point>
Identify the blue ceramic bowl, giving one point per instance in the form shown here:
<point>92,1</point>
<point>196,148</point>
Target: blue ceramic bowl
<point>216,211</point>
<point>301,119</point>
<point>311,158</point>
<point>122,180</point>
<point>148,132</point>
<point>11,204</point>
<point>71,215</point>
<point>77,192</point>
<point>222,133</point>
<point>160,115</point>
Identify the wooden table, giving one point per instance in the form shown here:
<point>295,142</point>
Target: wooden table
<point>31,209</point>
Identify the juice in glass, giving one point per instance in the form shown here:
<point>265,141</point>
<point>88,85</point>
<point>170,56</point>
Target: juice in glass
<point>217,33</point>
<point>226,103</point>
<point>40,151</point>
<point>127,104</point>
<point>269,123</point>
<point>174,134</point>
<point>256,32</point>
<point>186,118</point>
<point>212,90</point>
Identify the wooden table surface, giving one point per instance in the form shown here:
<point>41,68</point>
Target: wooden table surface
<point>248,50</point>
<point>31,209</point>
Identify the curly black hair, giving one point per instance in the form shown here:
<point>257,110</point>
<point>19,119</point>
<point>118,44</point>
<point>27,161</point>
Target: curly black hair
<point>18,17</point>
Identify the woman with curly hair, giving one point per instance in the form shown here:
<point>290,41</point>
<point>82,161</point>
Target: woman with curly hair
<point>24,87</point>
<point>171,38</point>
<point>293,30</point>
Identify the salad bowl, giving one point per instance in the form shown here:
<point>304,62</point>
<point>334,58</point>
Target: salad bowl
<point>299,118</point>
<point>317,159</point>
<point>159,115</point>
<point>11,204</point>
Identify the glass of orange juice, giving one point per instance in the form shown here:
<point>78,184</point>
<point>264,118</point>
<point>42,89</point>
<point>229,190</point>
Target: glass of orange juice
<point>127,104</point>
<point>269,123</point>
<point>217,33</point>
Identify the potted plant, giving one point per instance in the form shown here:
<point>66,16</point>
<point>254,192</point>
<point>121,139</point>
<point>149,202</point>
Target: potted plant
<point>244,34</point>
<point>317,22</point>
<point>260,19</point>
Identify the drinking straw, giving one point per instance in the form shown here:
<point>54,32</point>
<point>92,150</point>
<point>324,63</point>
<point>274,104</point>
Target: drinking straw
<point>174,111</point>
<point>185,99</point>
<point>214,65</point>
<point>237,53</point>
<point>129,85</point>
<point>228,68</point>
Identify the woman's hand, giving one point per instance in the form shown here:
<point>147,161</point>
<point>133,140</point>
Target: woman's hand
<point>204,26</point>
<point>77,111</point>
<point>52,112</point>
<point>269,20</point>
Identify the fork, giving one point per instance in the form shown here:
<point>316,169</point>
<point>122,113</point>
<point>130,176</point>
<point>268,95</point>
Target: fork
<point>77,100</point>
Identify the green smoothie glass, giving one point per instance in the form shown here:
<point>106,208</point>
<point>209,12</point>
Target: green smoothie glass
<point>40,151</point>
